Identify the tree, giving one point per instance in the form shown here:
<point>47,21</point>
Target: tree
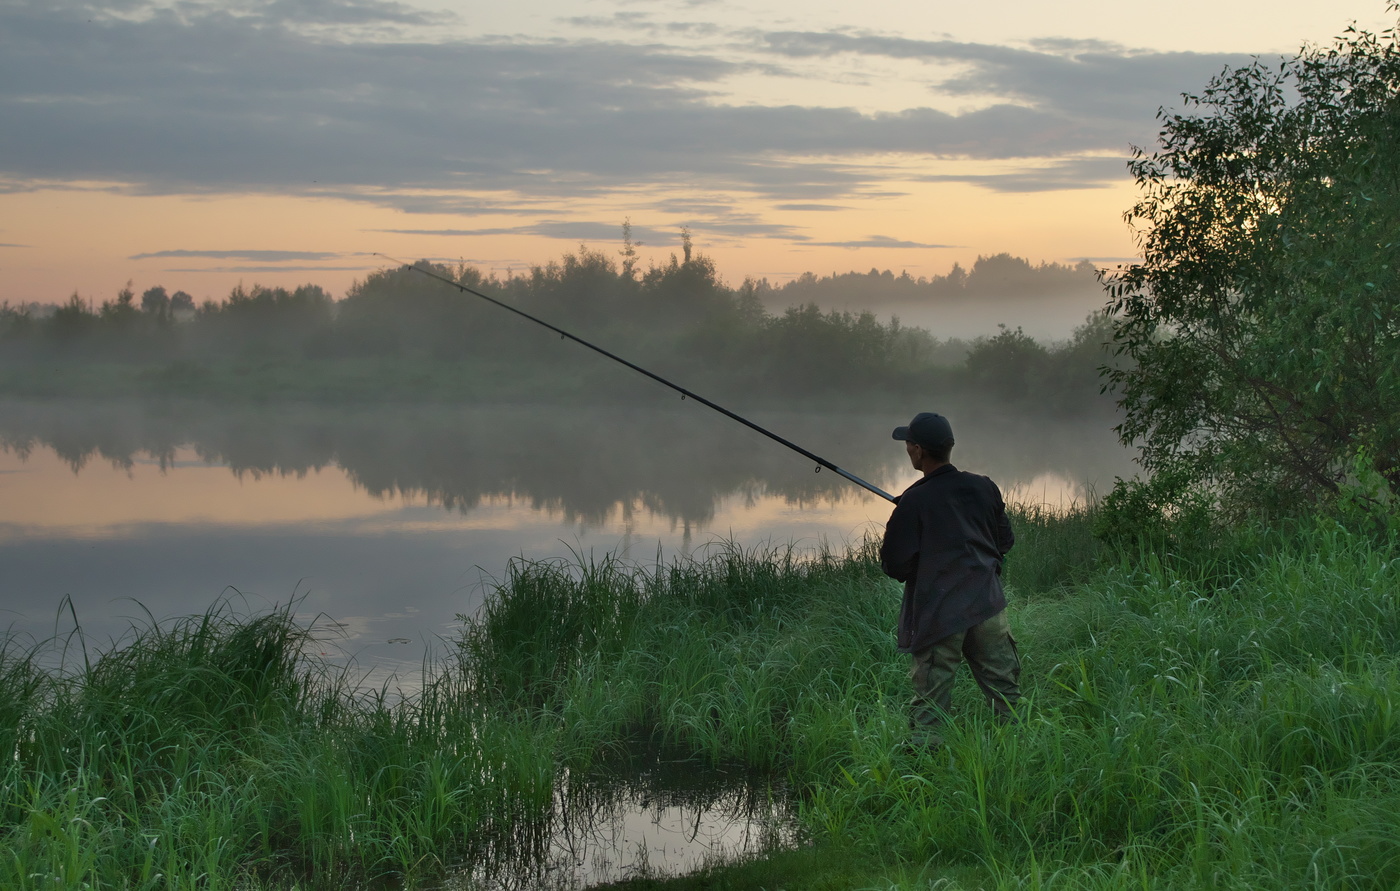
<point>266,321</point>
<point>1262,327</point>
<point>72,320</point>
<point>154,301</point>
<point>629,250</point>
<point>181,302</point>
<point>121,312</point>
<point>16,323</point>
<point>1007,365</point>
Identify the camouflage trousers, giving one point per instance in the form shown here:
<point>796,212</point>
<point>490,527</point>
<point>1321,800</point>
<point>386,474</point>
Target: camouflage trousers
<point>990,651</point>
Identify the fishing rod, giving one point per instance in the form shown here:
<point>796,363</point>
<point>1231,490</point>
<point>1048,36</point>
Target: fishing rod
<point>685,394</point>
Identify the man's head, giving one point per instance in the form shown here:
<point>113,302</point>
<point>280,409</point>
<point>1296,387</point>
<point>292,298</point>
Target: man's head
<point>928,439</point>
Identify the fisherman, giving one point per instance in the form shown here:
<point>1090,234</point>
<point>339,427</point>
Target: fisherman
<point>946,540</point>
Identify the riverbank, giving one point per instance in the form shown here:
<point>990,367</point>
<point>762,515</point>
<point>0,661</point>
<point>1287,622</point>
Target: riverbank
<point>1214,714</point>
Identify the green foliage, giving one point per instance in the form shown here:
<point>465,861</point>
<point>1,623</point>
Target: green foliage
<point>1020,372</point>
<point>266,321</point>
<point>1263,324</point>
<point>397,311</point>
<point>1365,500</point>
<point>1163,512</point>
<point>812,352</point>
<point>200,677</point>
<point>1055,549</point>
<point>71,321</point>
<point>16,323</point>
<point>1007,364</point>
<point>523,646</point>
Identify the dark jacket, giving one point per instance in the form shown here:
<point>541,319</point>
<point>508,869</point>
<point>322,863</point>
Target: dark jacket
<point>945,541</point>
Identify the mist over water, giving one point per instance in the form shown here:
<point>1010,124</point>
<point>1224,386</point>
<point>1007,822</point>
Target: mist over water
<point>1047,301</point>
<point>391,521</point>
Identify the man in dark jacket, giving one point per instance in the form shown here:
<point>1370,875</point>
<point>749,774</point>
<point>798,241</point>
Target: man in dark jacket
<point>945,541</point>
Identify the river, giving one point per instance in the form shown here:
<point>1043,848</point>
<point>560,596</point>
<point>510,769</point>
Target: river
<point>390,523</point>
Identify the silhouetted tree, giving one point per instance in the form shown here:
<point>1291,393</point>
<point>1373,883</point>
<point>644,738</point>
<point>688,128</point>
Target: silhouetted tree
<point>120,313</point>
<point>155,302</point>
<point>72,321</point>
<point>402,312</point>
<point>629,250</point>
<point>181,302</point>
<point>1007,365</point>
<point>16,323</point>
<point>265,320</point>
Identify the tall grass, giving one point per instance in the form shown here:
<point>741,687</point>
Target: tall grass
<point>1222,716</point>
<point>1184,733</point>
<point>213,752</point>
<point>1055,548</point>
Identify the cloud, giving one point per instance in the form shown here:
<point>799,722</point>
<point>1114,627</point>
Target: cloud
<point>439,232</point>
<point>213,97</point>
<point>262,13</point>
<point>264,256</point>
<point>1076,173</point>
<point>880,241</point>
<point>1092,82</point>
<point>271,268</point>
<point>455,205</point>
<point>592,231</point>
<point>219,104</point>
<point>342,12</point>
<point>1071,45</point>
<point>474,261</point>
<point>640,21</point>
<point>809,207</point>
<point>742,226</point>
<point>568,230</point>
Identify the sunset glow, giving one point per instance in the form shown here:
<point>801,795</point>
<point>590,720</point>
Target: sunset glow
<point>198,145</point>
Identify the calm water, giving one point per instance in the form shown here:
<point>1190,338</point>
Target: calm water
<point>389,523</point>
<point>648,813</point>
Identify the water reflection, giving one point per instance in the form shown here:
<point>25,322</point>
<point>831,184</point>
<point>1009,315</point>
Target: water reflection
<point>394,520</point>
<point>649,814</point>
<point>593,465</point>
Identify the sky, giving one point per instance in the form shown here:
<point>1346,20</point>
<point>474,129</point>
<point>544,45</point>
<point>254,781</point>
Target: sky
<point>198,145</point>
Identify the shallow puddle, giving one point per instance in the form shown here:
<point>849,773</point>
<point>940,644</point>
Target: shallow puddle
<point>650,815</point>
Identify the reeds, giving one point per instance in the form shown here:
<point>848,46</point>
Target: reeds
<point>212,751</point>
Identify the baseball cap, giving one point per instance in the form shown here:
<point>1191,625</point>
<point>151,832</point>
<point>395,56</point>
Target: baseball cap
<point>926,429</point>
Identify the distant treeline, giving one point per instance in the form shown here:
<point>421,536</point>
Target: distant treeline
<point>679,318</point>
<point>1000,275</point>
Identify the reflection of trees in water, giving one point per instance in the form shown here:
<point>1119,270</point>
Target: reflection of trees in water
<point>586,463</point>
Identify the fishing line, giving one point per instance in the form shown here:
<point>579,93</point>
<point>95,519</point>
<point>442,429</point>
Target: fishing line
<point>685,394</point>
